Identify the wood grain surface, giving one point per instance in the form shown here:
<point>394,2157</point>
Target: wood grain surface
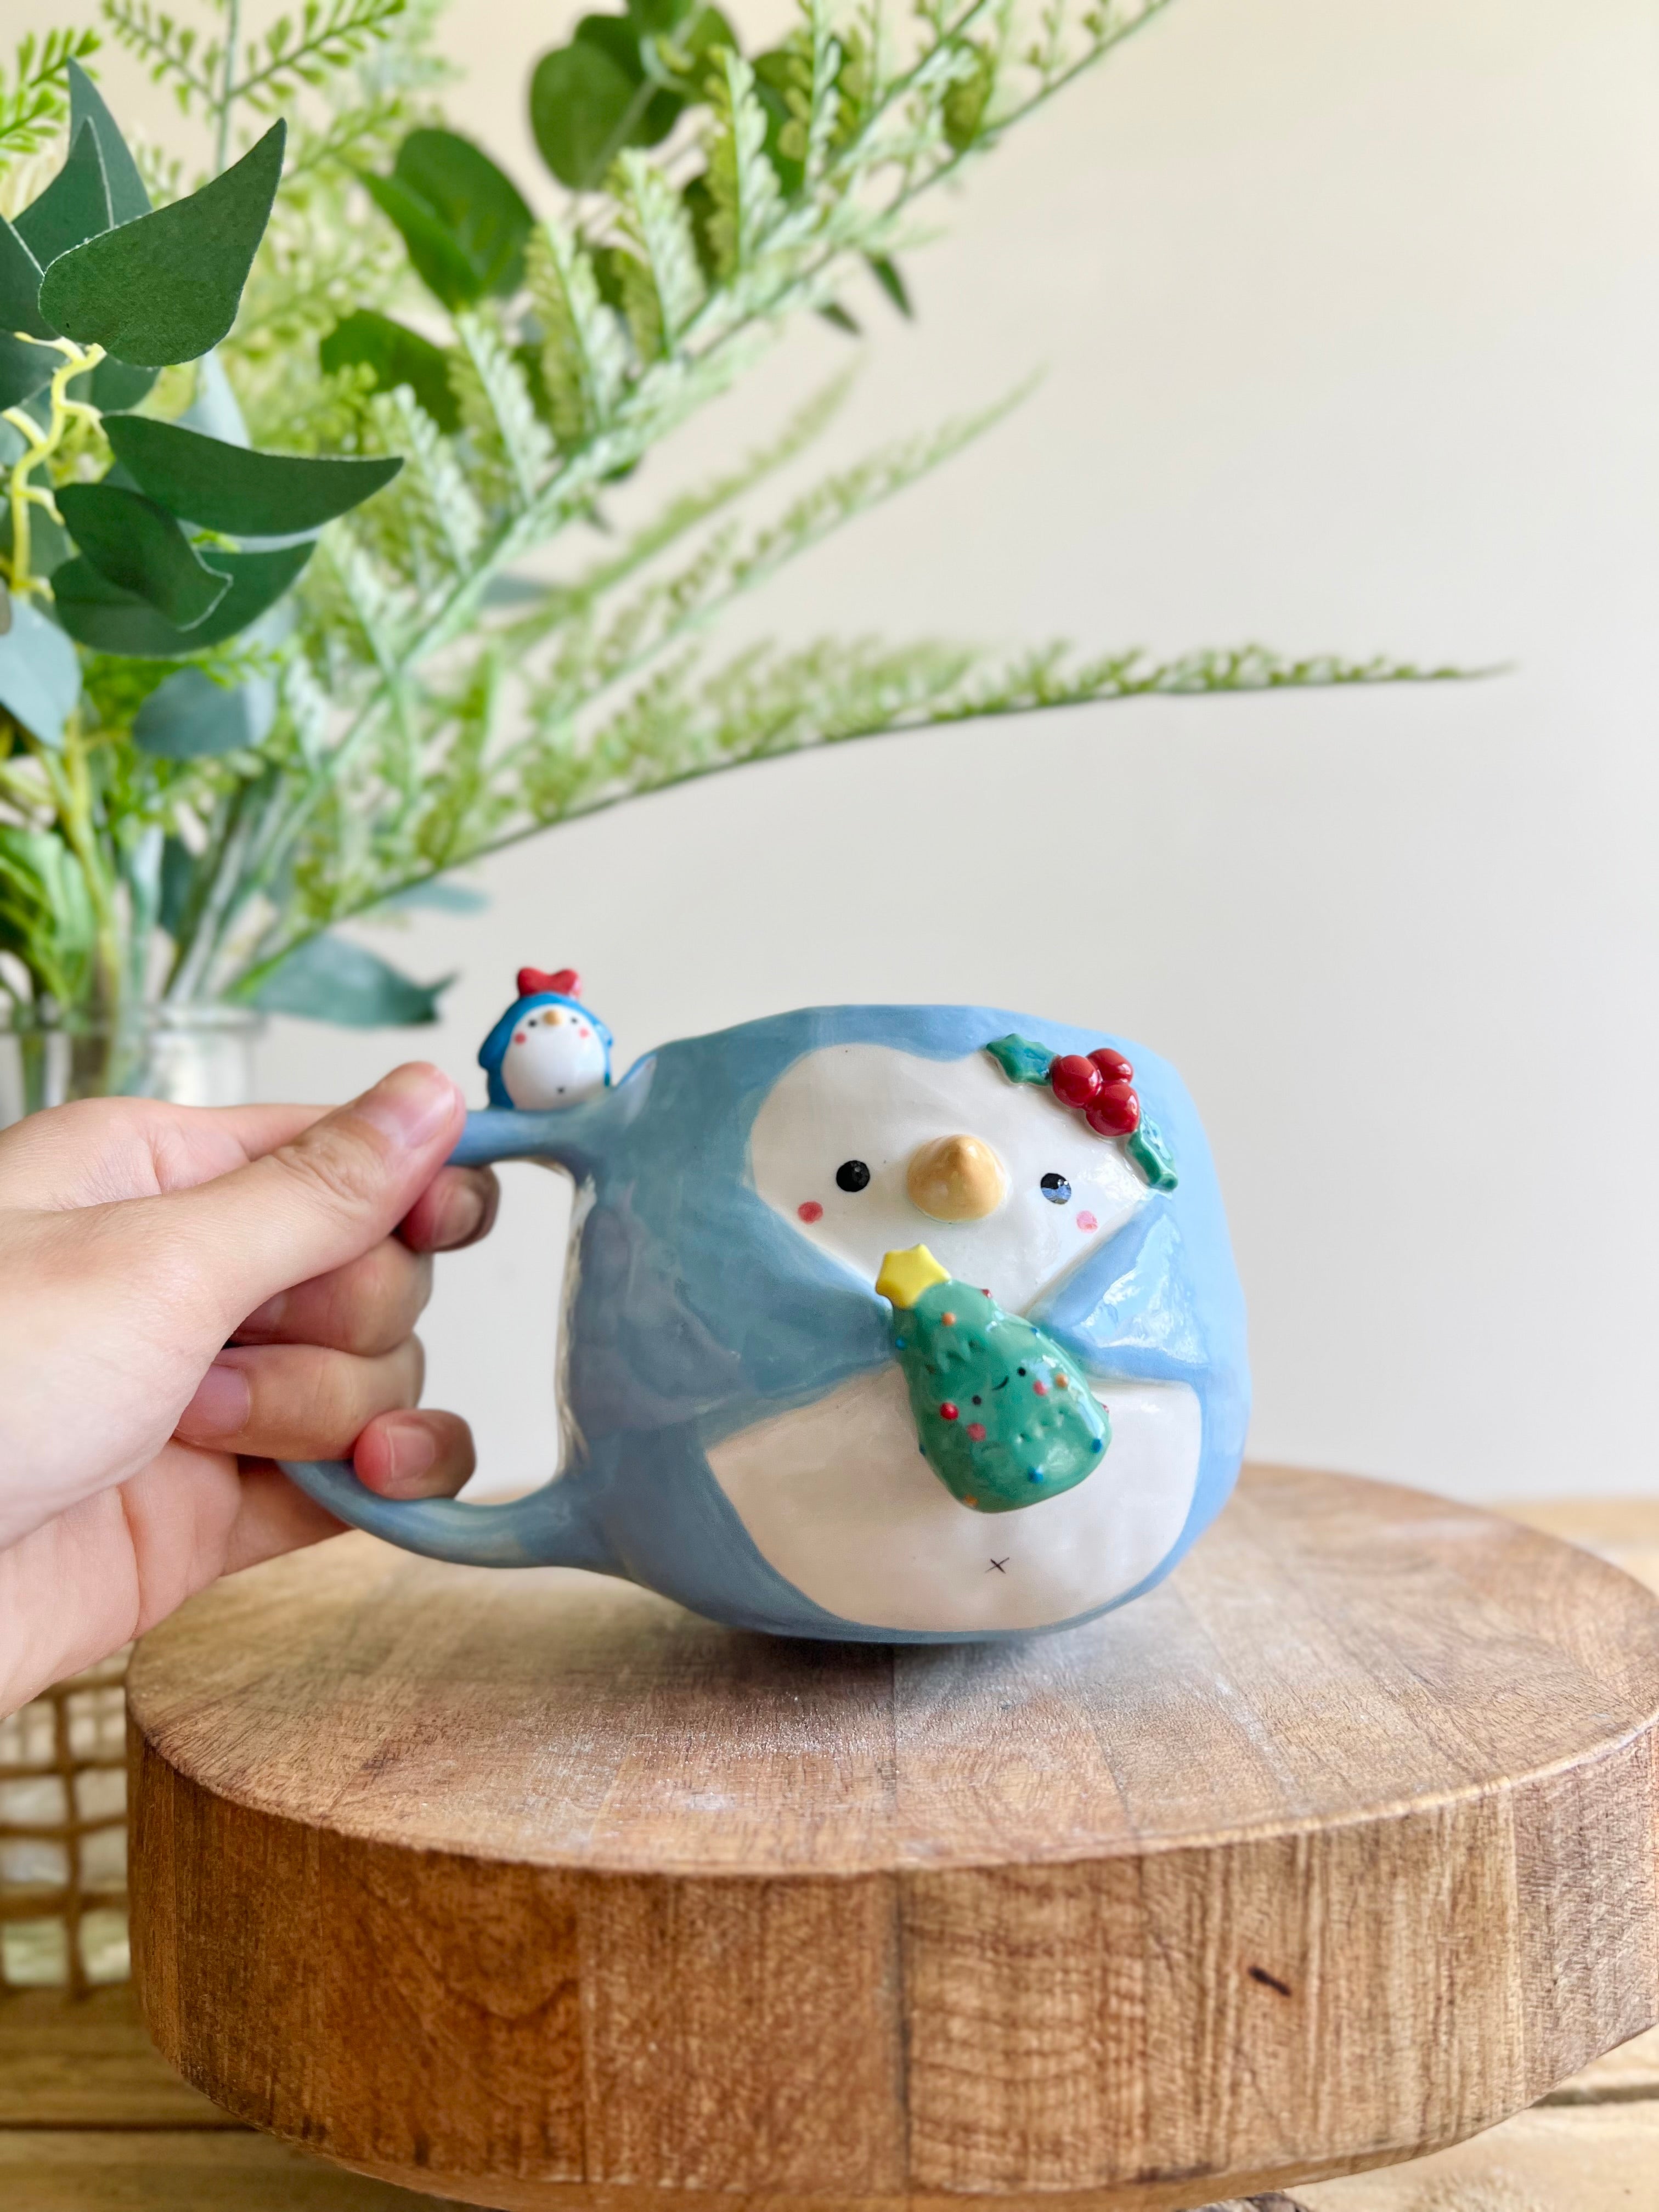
<point>533,1890</point>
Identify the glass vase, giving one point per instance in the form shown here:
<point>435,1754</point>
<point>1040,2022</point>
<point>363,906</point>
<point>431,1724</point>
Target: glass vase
<point>62,1760</point>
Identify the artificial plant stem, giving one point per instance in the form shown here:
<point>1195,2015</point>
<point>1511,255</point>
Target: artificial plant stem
<point>193,945</point>
<point>227,87</point>
<point>40,445</point>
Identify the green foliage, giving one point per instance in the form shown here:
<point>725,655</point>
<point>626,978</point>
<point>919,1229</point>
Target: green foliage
<point>34,91</point>
<point>141,548</point>
<point>393,355</point>
<point>229,487</point>
<point>128,199</point>
<point>390,687</point>
<point>40,676</point>
<point>166,288</point>
<point>463,223</point>
<point>332,980</point>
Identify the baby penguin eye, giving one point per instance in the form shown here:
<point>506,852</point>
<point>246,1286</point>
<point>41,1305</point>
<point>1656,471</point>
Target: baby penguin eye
<point>852,1175</point>
<point>1055,1189</point>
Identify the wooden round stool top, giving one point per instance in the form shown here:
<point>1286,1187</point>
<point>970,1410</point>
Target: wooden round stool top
<point>532,1890</point>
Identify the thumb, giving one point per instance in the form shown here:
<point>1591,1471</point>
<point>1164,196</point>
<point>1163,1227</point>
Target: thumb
<point>320,1201</point>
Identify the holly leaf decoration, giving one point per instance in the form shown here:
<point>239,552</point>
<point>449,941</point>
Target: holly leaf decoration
<point>166,288</point>
<point>232,487</point>
<point>1021,1060</point>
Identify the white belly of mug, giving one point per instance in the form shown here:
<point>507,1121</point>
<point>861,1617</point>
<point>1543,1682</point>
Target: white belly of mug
<point>838,1498</point>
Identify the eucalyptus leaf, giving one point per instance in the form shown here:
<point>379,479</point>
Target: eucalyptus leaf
<point>584,109</point>
<point>20,286</point>
<point>654,18</point>
<point>40,673</point>
<point>190,717</point>
<point>441,897</point>
<point>886,274</point>
<point>396,356</point>
<point>115,385</point>
<point>74,206</point>
<point>215,410</point>
<point>331,979</point>
<point>178,880</point>
<point>222,487</point>
<point>139,546</point>
<point>166,288</point>
<point>100,615</point>
<point>653,113</point>
<point>128,199</point>
<point>25,369</point>
<point>463,221</point>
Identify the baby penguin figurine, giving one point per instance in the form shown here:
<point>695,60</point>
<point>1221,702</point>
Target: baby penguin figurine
<point>547,1050</point>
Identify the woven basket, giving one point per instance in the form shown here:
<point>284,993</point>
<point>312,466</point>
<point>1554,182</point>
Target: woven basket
<point>63,1838</point>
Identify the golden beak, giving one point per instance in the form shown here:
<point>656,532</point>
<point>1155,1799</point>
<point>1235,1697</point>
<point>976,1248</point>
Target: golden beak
<point>956,1179</point>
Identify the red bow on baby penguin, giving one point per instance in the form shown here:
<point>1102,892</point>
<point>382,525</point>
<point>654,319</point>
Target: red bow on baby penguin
<point>1097,1083</point>
<point>564,982</point>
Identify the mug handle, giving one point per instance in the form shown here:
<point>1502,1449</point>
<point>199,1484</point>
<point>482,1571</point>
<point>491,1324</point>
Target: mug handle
<point>549,1528</point>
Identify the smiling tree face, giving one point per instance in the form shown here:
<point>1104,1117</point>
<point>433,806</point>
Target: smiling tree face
<point>856,1144</point>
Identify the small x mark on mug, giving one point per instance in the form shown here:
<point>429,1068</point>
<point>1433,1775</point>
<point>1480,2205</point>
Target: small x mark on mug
<point>1001,1565</point>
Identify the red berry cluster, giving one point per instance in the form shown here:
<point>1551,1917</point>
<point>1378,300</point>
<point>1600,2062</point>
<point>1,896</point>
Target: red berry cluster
<point>1099,1085</point>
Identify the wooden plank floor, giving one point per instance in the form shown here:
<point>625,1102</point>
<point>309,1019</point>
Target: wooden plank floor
<point>91,2120</point>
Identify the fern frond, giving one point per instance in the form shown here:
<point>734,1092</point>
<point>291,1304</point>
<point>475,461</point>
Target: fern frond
<point>500,416</point>
<point>584,357</point>
<point>34,92</point>
<point>742,182</point>
<point>171,52</point>
<point>429,504</point>
<point>328,38</point>
<point>562,602</point>
<point>663,284</point>
<point>592,658</point>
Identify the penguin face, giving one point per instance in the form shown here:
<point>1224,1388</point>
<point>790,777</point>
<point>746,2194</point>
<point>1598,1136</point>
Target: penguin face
<point>866,1150</point>
<point>554,1056</point>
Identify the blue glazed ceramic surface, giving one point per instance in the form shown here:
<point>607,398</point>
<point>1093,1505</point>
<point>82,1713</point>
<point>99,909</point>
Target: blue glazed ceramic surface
<point>737,1431</point>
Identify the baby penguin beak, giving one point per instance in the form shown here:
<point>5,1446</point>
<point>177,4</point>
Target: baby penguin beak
<point>956,1179</point>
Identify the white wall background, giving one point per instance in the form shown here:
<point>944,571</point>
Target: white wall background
<point>1351,320</point>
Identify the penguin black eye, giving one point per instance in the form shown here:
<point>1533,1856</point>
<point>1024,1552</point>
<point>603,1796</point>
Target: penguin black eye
<point>852,1175</point>
<point>1056,1190</point>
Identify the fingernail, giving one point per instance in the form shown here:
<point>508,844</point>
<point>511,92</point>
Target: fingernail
<point>265,1320</point>
<point>461,1211</point>
<point>220,1407</point>
<point>413,1449</point>
<point>411,1104</point>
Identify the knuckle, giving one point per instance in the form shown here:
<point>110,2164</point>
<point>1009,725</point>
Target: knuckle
<point>339,1166</point>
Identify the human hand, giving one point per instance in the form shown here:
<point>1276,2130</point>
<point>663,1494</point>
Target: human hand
<point>186,1296</point>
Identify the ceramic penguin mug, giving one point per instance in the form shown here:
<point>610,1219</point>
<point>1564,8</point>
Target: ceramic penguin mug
<point>884,1322</point>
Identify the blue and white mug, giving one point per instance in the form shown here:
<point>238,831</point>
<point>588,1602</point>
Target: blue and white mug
<point>740,1428</point>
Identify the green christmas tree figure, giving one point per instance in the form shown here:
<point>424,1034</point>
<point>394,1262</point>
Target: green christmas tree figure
<point>1004,1416</point>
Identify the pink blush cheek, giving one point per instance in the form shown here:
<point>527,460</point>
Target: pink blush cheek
<point>810,1211</point>
<point>1087,1224</point>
